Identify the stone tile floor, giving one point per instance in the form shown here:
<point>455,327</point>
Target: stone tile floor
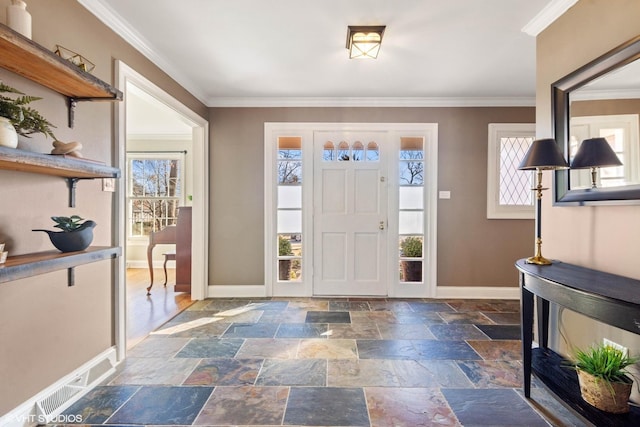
<point>327,362</point>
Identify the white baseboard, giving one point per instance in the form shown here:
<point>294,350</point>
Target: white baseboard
<point>90,374</point>
<point>477,292</point>
<point>240,291</point>
<point>454,292</point>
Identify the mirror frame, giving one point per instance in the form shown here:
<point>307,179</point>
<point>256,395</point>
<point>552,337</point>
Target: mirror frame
<point>560,92</point>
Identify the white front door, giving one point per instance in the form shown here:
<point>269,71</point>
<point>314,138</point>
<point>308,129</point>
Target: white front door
<point>350,213</point>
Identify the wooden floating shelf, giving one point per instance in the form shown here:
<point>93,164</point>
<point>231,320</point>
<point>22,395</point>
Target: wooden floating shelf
<point>31,60</point>
<point>48,164</point>
<point>28,265</point>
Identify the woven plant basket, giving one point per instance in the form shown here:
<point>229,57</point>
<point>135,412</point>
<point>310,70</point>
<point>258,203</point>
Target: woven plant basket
<point>606,396</point>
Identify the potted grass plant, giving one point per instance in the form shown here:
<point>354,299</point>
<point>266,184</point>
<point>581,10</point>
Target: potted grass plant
<point>604,380</point>
<point>75,235</point>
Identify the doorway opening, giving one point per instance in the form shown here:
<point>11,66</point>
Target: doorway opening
<point>162,154</point>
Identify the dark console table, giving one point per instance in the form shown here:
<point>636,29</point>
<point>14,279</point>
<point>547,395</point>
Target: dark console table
<point>609,298</point>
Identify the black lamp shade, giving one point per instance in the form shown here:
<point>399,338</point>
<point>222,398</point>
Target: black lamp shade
<point>543,154</point>
<point>595,152</point>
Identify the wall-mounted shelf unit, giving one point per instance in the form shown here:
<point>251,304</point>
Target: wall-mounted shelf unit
<point>28,59</point>
<point>70,168</point>
<point>28,265</point>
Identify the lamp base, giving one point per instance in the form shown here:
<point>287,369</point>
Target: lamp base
<point>539,260</point>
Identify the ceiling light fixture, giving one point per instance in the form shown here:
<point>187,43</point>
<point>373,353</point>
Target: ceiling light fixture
<point>364,41</point>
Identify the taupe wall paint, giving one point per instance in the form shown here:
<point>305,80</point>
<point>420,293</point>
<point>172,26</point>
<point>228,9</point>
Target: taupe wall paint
<point>486,248</point>
<point>46,328</point>
<point>603,237</point>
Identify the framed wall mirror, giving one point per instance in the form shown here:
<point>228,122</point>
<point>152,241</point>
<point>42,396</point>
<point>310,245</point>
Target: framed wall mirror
<point>600,99</point>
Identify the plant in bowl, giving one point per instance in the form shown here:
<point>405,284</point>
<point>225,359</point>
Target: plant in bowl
<point>75,235</point>
<point>604,380</point>
<point>24,119</point>
<point>411,247</point>
<point>284,265</point>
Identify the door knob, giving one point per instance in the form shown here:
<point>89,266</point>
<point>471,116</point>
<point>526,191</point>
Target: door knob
<point>381,225</point>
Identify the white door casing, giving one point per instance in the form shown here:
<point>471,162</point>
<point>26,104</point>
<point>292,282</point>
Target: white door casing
<point>392,133</point>
<point>350,217</point>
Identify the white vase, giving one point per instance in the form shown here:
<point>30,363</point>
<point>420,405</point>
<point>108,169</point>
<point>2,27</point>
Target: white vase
<point>18,19</point>
<point>8,134</point>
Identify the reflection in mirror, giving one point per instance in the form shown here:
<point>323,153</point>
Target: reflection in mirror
<point>600,100</point>
<point>608,107</point>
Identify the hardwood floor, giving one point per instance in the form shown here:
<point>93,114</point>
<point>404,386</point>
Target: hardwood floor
<point>147,313</point>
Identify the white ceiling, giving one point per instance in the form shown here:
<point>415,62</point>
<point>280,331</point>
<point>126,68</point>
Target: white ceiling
<point>292,52</point>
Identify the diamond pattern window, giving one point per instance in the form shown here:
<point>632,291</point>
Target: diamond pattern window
<point>509,194</point>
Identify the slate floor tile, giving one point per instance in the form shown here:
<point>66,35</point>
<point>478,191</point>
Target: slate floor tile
<point>327,349</point>
<point>328,317</point>
<point>416,331</point>
<point>328,362</point>
<point>493,374</point>
<point>504,318</point>
<point>225,372</point>
<point>251,330</point>
<point>409,407</point>
<point>498,350</point>
<point>501,332</point>
<point>304,372</point>
<point>244,406</point>
<point>100,403</point>
<point>153,371</point>
<point>457,332</point>
<point>302,330</point>
<point>210,348</point>
<point>326,406</point>
<point>162,405</point>
<point>492,408</point>
<point>268,348</point>
<point>444,350</point>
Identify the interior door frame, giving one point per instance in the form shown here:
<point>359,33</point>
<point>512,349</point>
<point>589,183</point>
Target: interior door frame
<point>200,205</point>
<point>397,289</point>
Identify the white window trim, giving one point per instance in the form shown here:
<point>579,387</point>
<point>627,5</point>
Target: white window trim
<point>496,132</point>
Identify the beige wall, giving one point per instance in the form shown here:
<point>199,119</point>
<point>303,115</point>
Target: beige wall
<point>486,248</point>
<point>46,328</point>
<point>604,237</point>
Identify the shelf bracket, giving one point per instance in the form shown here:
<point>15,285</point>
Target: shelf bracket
<point>73,102</point>
<point>72,183</point>
<point>71,276</point>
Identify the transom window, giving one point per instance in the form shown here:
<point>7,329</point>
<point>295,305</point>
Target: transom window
<point>356,152</point>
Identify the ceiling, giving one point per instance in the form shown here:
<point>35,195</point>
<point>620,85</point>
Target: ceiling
<point>292,52</point>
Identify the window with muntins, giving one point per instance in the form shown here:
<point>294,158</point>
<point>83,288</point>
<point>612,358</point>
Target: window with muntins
<point>509,194</point>
<point>155,192</point>
<point>411,208</point>
<point>289,209</point>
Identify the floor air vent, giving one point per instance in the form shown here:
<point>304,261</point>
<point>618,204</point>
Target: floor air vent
<point>51,405</point>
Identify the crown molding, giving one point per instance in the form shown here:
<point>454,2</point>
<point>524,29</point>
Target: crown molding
<point>604,94</point>
<point>372,102</point>
<point>547,16</point>
<point>120,26</point>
